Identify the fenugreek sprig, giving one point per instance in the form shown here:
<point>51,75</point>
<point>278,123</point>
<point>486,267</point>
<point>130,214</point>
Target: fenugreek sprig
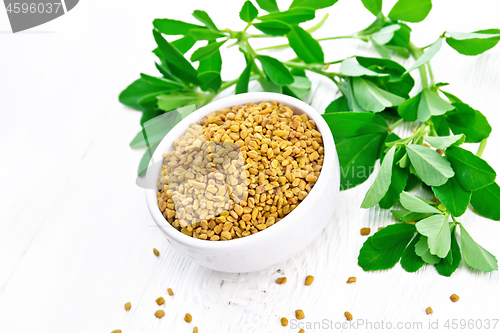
<point>375,99</point>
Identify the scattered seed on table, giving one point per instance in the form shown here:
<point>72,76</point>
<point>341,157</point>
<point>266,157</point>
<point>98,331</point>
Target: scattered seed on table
<point>309,280</point>
<point>299,314</point>
<point>156,252</point>
<point>128,306</point>
<point>429,310</point>
<point>281,280</point>
<point>117,331</point>
<point>159,314</point>
<point>454,298</point>
<point>352,279</point>
<point>188,318</point>
<point>284,321</point>
<point>302,330</point>
<point>160,301</point>
<point>195,329</point>
<point>364,231</point>
<point>348,315</point>
<point>170,292</point>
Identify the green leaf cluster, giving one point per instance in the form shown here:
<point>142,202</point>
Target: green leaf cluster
<point>374,99</point>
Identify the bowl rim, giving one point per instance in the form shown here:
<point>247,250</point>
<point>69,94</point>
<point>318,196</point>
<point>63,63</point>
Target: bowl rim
<point>295,104</point>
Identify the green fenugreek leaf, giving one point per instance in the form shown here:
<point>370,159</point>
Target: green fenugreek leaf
<point>374,6</point>
<point>448,265</point>
<point>273,27</point>
<point>472,172</point>
<point>410,10</point>
<point>443,142</point>
<point>203,17</point>
<point>248,12</point>
<point>305,46</point>
<point>371,97</point>
<point>486,201</point>
<point>431,167</point>
<point>473,43</point>
<point>349,124</point>
<point>178,65</point>
<point>410,261</point>
<point>416,204</point>
<point>291,16</point>
<point>475,255</point>
<point>206,51</point>
<point>437,230</point>
<point>453,196</point>
<point>205,34</point>
<point>268,5</point>
<point>423,251</point>
<point>275,70</point>
<point>174,27</point>
<point>314,4</point>
<point>384,249</point>
<point>382,182</point>
<point>428,55</point>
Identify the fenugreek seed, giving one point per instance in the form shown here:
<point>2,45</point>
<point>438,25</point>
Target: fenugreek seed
<point>117,331</point>
<point>188,318</point>
<point>170,292</point>
<point>160,301</point>
<point>299,314</point>
<point>302,330</point>
<point>156,252</point>
<point>284,321</point>
<point>454,298</point>
<point>380,228</point>
<point>348,315</point>
<point>309,280</point>
<point>352,279</point>
<point>128,306</point>
<point>225,235</point>
<point>195,329</point>
<point>275,161</point>
<point>429,310</point>
<point>365,231</point>
<point>281,280</point>
<point>159,314</point>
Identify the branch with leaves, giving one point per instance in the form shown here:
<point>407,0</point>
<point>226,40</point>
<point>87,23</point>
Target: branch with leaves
<point>374,101</point>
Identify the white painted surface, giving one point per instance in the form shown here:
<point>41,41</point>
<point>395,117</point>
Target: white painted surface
<point>76,238</point>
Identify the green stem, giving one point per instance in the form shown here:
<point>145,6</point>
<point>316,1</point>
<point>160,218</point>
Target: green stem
<point>482,146</point>
<point>316,68</point>
<point>260,36</point>
<point>227,85</point>
<point>431,76</point>
<point>273,47</point>
<point>396,124</point>
<point>335,37</point>
<point>417,52</point>
<point>280,46</point>
<point>248,26</point>
<point>318,25</point>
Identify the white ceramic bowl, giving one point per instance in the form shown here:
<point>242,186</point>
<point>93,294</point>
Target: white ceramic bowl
<point>277,243</point>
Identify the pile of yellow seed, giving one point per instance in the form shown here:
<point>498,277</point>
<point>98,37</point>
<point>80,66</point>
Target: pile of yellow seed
<point>239,171</point>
